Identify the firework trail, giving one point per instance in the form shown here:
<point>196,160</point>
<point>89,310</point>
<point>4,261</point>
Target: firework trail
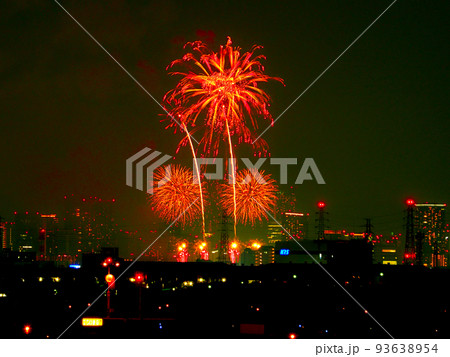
<point>199,182</point>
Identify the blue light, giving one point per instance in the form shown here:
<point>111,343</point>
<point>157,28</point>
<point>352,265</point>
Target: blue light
<point>284,251</point>
<point>300,326</point>
<point>75,266</point>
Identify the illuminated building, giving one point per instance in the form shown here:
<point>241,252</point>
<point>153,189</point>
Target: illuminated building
<point>86,226</point>
<point>296,224</point>
<point>47,236</point>
<point>389,250</point>
<point>430,221</point>
<point>25,232</point>
<point>265,255</point>
<point>5,234</point>
<point>355,252</point>
<point>341,234</point>
<point>292,252</point>
<point>285,204</point>
<point>335,234</point>
<point>274,232</point>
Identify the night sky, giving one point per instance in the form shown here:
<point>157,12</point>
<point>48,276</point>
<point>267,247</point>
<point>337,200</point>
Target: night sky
<point>376,123</point>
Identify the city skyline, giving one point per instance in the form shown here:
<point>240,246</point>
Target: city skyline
<point>88,224</point>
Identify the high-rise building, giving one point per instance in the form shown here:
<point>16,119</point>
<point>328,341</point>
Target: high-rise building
<point>296,224</point>
<point>48,233</point>
<point>25,232</point>
<point>5,234</point>
<point>434,244</point>
<point>285,203</point>
<point>274,231</point>
<point>86,226</point>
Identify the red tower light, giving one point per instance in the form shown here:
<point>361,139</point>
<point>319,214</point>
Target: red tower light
<point>321,204</point>
<point>410,202</point>
<point>109,260</point>
<point>292,336</point>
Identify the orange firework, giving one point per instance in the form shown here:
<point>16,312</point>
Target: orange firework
<point>220,90</point>
<point>176,194</point>
<point>255,195</point>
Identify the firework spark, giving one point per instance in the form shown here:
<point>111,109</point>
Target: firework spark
<point>221,88</point>
<point>202,250</point>
<point>182,253</point>
<point>176,194</point>
<point>197,175</point>
<point>233,252</point>
<point>255,194</point>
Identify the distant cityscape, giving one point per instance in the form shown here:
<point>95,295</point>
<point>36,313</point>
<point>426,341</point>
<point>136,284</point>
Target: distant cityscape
<point>89,224</point>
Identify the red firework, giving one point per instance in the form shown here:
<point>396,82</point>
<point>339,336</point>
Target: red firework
<point>220,92</point>
<point>255,195</point>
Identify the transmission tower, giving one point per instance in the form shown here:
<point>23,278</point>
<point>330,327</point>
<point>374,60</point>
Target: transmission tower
<point>410,246</point>
<point>321,221</point>
<point>223,244</point>
<point>368,233</point>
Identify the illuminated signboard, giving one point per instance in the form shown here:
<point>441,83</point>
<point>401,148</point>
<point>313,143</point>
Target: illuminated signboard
<point>92,322</point>
<point>284,251</point>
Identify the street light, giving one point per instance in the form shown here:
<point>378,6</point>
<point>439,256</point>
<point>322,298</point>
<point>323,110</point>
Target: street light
<point>27,329</point>
<point>110,279</point>
<point>139,280</point>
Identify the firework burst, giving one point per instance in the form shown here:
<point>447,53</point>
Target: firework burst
<point>255,196</point>
<point>176,194</point>
<point>220,89</point>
